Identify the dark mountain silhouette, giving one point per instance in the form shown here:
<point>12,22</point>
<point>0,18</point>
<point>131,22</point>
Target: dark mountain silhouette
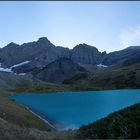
<point>58,70</point>
<point>123,57</point>
<point>42,52</point>
<point>45,57</point>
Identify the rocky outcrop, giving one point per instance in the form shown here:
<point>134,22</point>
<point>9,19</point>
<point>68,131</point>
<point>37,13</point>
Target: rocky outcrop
<point>86,54</point>
<point>57,71</point>
<point>13,54</point>
<point>41,51</point>
<point>125,56</point>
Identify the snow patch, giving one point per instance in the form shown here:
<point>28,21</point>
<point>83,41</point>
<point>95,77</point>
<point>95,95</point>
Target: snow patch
<point>21,73</point>
<point>5,69</point>
<point>10,69</point>
<point>104,66</point>
<point>20,64</point>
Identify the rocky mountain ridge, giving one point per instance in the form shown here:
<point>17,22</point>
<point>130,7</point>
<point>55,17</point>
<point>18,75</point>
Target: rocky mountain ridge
<point>57,71</point>
<point>43,52</point>
<point>45,57</point>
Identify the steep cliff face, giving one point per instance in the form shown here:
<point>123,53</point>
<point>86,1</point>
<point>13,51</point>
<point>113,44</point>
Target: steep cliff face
<point>42,52</point>
<point>13,53</point>
<point>57,71</point>
<point>55,64</point>
<point>9,54</point>
<point>52,54</point>
<point>39,53</point>
<point>86,54</point>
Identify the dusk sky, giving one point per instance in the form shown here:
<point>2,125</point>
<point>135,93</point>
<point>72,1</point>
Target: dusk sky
<point>106,25</point>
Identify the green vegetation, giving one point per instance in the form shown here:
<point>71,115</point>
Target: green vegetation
<point>124,124</point>
<point>17,114</point>
<point>111,78</point>
<point>77,78</point>
<point>42,88</point>
<point>16,122</point>
<point>9,131</point>
<point>122,78</point>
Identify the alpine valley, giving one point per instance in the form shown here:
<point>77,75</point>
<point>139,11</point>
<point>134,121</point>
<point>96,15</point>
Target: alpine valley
<point>42,84</point>
<point>42,62</point>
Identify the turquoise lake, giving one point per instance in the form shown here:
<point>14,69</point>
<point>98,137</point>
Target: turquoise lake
<point>70,110</point>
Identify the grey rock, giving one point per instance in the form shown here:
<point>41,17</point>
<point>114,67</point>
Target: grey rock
<point>57,71</point>
<point>119,57</point>
<point>11,81</point>
<point>41,52</point>
<point>86,54</point>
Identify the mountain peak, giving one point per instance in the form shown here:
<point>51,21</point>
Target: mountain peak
<point>85,46</point>
<point>43,39</point>
<point>12,44</point>
<point>86,54</point>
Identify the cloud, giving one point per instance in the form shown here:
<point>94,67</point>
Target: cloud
<point>130,37</point>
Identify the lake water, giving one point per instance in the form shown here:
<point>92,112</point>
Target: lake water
<point>70,110</point>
